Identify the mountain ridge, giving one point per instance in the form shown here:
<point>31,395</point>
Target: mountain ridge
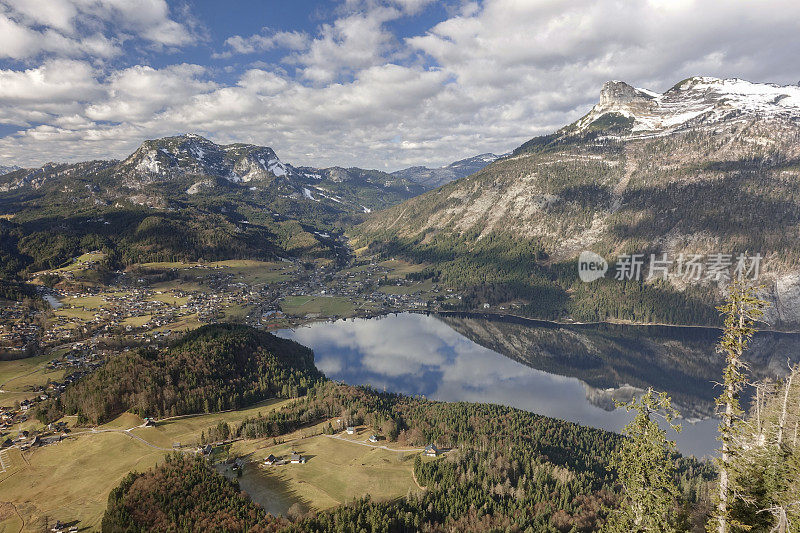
<point>436,177</point>
<point>708,166</point>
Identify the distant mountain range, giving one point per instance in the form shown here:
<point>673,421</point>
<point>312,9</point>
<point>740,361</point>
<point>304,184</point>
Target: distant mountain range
<point>186,196</point>
<point>202,165</point>
<point>430,178</point>
<point>7,169</point>
<point>709,166</point>
<point>162,170</point>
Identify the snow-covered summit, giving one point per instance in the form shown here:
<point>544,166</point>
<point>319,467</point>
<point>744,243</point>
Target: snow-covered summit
<point>694,101</point>
<point>191,154</point>
<point>7,169</point>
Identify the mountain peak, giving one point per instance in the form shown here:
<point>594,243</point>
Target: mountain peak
<point>6,169</point>
<point>699,100</point>
<point>619,92</point>
<point>193,155</point>
<point>436,177</point>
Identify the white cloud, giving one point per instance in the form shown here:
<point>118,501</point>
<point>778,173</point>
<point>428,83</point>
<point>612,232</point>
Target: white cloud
<point>138,92</point>
<point>149,19</point>
<point>18,41</point>
<point>58,14</point>
<point>351,43</point>
<point>291,40</point>
<point>85,28</point>
<point>486,79</point>
<point>56,81</point>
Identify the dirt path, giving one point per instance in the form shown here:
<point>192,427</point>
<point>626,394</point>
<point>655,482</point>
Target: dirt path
<point>414,476</point>
<point>401,450</point>
<point>128,433</point>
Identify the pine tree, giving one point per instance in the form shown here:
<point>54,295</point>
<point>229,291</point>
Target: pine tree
<point>741,311</point>
<point>646,469</point>
<point>767,465</point>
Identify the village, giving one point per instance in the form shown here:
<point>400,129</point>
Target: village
<point>153,302</point>
<point>81,322</point>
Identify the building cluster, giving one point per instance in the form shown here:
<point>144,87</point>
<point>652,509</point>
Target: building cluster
<point>19,328</point>
<point>77,363</point>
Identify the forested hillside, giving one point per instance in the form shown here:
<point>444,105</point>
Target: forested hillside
<point>182,494</point>
<point>506,469</point>
<point>213,368</point>
<point>710,166</point>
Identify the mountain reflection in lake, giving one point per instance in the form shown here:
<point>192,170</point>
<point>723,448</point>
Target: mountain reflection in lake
<point>568,372</point>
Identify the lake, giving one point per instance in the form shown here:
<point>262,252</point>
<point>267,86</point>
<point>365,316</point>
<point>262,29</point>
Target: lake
<point>571,372</point>
<point>52,300</point>
<point>266,490</point>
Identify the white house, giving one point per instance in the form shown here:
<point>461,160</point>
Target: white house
<point>431,450</point>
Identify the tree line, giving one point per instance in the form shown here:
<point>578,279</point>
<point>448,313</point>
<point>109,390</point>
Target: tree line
<point>214,368</point>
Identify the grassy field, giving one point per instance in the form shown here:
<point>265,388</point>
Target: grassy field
<point>136,321</point>
<point>321,305</point>
<point>237,312</point>
<point>71,480</point>
<point>80,263</point>
<point>248,271</point>
<point>257,272</point>
<point>336,471</point>
<point>17,377</point>
<point>10,370</point>
<point>414,288</point>
<point>70,312</point>
<point>183,323</point>
<point>398,268</point>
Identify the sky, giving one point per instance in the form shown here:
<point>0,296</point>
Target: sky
<point>381,84</point>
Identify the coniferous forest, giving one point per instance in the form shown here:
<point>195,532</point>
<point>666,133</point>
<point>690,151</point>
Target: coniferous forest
<point>213,368</point>
<point>511,470</point>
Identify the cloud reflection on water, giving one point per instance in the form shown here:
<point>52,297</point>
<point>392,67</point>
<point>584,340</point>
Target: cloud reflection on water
<point>421,355</point>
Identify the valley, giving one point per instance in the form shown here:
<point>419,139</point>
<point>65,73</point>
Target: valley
<point>199,307</point>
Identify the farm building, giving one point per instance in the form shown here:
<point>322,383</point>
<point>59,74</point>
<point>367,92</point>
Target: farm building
<point>431,450</point>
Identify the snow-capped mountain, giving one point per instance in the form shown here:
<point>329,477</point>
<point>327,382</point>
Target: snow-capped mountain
<point>162,170</point>
<point>431,178</point>
<point>694,102</point>
<point>7,169</point>
<point>709,166</point>
<point>192,155</point>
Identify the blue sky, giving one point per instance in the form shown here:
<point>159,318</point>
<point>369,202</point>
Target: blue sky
<point>372,83</point>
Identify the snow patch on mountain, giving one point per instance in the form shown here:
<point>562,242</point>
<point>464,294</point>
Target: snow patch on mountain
<point>6,169</point>
<point>698,100</point>
<point>149,163</point>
